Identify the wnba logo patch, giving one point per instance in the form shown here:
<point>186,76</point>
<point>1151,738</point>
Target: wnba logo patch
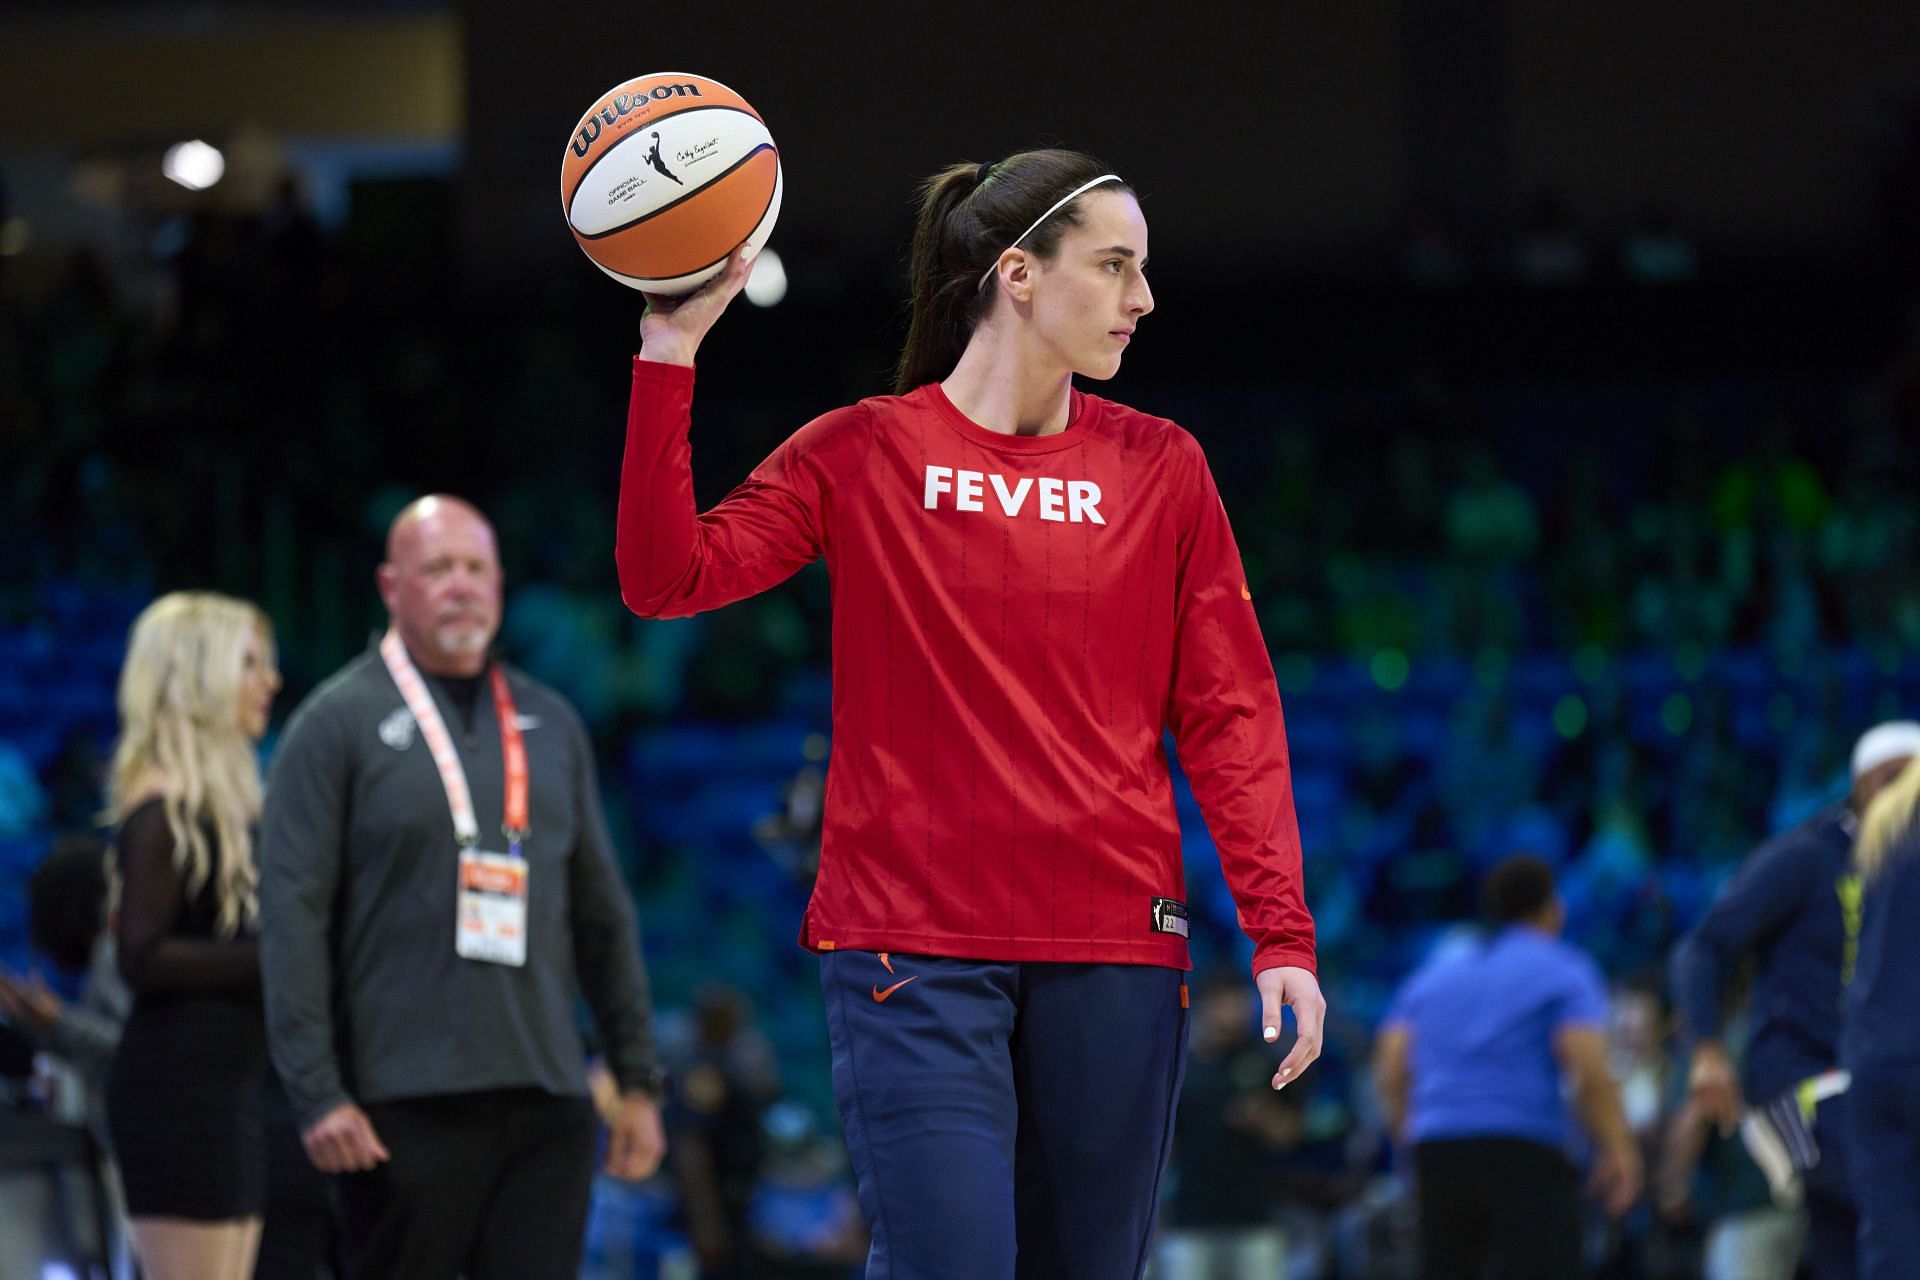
<point>1169,916</point>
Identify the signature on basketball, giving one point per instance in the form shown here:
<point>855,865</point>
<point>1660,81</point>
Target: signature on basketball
<point>698,151</point>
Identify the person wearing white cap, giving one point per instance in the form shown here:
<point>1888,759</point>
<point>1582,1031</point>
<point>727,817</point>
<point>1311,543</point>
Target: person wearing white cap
<point>1793,908</point>
<point>1881,754</point>
<point>1881,1047</point>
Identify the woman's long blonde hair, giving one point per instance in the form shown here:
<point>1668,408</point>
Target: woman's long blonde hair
<point>181,739</point>
<point>1888,819</point>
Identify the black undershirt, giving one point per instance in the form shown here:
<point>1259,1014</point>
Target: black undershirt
<point>464,693</point>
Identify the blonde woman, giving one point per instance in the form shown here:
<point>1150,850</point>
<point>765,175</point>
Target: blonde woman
<point>1881,1044</point>
<point>184,1098</point>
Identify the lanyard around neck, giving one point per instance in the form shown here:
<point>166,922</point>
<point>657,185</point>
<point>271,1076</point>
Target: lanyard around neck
<point>453,776</point>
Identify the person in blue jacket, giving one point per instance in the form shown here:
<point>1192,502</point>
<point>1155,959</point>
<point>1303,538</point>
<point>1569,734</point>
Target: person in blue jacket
<point>1881,1047</point>
<point>1793,910</point>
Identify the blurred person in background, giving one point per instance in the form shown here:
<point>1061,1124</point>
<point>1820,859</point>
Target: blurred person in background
<point>1705,1182</point>
<point>1642,1061</point>
<point>723,1088</point>
<point>1881,1044</point>
<point>1220,1217</point>
<point>1470,1063</point>
<point>806,1217</point>
<point>421,968</point>
<point>184,1098</point>
<point>791,834</point>
<point>1793,911</point>
<point>999,910</point>
<point>67,923</point>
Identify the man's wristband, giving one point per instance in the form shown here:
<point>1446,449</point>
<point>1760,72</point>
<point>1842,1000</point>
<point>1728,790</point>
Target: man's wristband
<point>651,1085</point>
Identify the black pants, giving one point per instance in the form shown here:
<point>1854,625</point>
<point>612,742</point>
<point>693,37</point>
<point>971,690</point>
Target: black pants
<point>490,1186</point>
<point>1497,1207</point>
<point>297,1236</point>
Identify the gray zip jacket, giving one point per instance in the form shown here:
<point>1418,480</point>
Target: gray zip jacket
<point>366,999</point>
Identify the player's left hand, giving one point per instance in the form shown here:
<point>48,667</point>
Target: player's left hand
<point>1295,987</point>
<point>636,1142</point>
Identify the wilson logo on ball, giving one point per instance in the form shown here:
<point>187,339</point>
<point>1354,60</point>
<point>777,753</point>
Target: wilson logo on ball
<point>622,105</point>
<point>664,176</point>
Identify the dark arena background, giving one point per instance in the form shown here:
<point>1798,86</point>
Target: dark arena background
<point>1559,366</point>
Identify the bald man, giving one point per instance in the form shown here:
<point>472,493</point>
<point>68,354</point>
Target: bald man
<point>437,883</point>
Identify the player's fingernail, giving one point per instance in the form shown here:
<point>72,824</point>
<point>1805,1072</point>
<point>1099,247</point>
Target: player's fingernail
<point>747,252</point>
<point>1273,1033</point>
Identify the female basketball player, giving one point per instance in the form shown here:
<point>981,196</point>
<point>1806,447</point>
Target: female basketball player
<point>1031,585</point>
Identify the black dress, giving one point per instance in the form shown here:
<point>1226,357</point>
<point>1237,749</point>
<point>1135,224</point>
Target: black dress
<point>184,1097</point>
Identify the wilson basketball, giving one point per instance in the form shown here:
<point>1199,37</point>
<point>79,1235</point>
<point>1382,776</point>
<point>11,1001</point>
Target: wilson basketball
<point>664,176</point>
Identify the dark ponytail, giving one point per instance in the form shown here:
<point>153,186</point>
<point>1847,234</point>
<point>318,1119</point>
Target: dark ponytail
<point>969,215</point>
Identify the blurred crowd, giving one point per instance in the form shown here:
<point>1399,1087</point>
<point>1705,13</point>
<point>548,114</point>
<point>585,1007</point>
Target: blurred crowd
<point>1422,510</point>
<point>1627,625</point>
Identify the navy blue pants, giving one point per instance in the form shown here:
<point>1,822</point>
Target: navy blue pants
<point>1833,1225</point>
<point>1885,1109</point>
<point>1005,1120</point>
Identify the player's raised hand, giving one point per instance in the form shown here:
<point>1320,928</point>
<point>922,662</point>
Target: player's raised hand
<point>1295,987</point>
<point>673,326</point>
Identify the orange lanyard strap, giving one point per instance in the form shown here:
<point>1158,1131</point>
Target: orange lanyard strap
<point>453,776</point>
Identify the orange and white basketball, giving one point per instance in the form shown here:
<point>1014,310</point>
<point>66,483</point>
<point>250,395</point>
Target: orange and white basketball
<point>664,176</point>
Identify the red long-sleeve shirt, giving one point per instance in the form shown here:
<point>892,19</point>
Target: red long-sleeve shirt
<point>1016,620</point>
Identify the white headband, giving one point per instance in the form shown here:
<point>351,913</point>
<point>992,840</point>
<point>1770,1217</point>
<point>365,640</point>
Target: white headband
<point>1058,205</point>
<point>1884,742</point>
